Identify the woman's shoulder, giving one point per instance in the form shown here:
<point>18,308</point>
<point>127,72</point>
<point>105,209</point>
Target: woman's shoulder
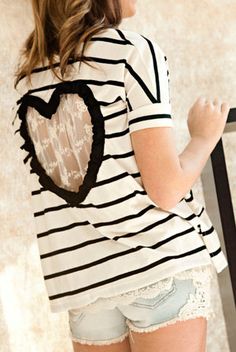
<point>124,35</point>
<point>118,33</point>
<point>130,40</point>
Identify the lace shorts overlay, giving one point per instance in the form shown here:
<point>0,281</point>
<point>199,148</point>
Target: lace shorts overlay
<point>198,304</point>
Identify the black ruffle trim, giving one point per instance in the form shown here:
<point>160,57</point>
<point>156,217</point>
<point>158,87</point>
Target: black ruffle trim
<point>47,110</point>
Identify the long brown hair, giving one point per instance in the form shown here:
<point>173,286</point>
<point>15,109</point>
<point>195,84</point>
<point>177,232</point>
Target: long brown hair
<point>63,28</point>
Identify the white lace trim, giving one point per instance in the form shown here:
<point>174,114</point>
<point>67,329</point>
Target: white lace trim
<point>201,276</point>
<point>63,143</point>
<point>199,303</point>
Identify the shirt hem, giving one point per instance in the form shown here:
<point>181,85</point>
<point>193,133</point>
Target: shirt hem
<point>218,265</point>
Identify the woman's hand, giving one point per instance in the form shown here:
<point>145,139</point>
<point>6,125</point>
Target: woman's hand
<point>207,119</point>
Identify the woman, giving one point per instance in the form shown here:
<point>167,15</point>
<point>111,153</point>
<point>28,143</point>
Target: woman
<point>123,242</point>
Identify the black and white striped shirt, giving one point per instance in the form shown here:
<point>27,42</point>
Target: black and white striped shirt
<point>110,237</point>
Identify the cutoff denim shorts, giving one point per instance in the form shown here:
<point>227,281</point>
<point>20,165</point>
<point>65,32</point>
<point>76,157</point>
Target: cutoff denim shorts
<point>183,300</point>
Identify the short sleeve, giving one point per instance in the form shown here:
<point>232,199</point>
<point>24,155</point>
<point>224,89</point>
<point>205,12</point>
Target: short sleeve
<point>147,86</point>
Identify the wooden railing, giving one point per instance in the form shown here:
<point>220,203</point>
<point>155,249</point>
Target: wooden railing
<point>225,199</point>
<point>219,206</point>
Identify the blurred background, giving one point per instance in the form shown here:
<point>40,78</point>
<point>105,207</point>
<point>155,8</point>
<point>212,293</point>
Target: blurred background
<point>198,37</point>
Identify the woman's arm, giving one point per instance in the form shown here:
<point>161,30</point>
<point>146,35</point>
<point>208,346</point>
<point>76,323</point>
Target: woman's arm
<point>166,176</point>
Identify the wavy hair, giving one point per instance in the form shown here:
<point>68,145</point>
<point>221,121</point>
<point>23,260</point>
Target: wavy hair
<point>63,28</point>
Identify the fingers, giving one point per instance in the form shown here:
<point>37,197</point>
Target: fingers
<point>214,103</point>
<point>222,106</point>
<point>225,108</point>
<point>202,99</point>
<point>217,102</point>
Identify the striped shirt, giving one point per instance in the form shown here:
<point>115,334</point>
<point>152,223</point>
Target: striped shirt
<point>108,237</point>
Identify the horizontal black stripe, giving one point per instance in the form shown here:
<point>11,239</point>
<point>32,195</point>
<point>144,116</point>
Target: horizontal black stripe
<point>55,65</point>
<point>136,174</point>
<point>106,103</point>
<point>112,256</point>
<point>117,134</point>
<point>103,60</point>
<point>38,191</point>
<point>147,228</point>
<point>111,179</point>
<point>110,40</point>
<point>192,216</point>
<point>45,68</point>
<point>90,205</point>
<point>99,183</point>
<point>113,202</point>
<point>149,117</point>
<point>95,241</point>
<point>107,204</point>
<point>64,206</point>
<point>118,156</point>
<point>63,228</point>
<point>115,114</point>
<point>124,275</point>
<point>213,254</point>
<point>73,248</point>
<point>124,218</point>
<point>51,209</point>
<point>208,232</point>
<point>101,205</point>
<point>115,178</point>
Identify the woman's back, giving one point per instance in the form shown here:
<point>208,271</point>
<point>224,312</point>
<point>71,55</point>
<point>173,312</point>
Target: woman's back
<point>121,84</point>
<point>108,237</point>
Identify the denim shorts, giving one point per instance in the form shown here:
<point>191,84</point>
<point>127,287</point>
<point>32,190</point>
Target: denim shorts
<point>183,300</point>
